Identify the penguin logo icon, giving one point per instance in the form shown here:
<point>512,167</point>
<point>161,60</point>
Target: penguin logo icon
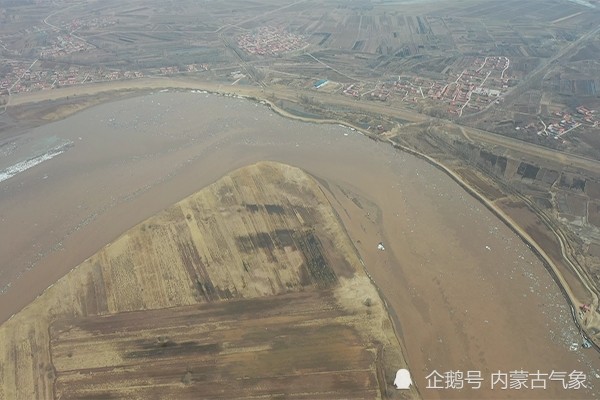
<point>402,380</point>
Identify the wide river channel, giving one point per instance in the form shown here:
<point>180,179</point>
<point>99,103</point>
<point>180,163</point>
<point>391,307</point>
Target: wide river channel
<point>465,292</point>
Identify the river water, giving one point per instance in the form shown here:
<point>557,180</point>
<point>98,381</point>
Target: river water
<point>466,293</point>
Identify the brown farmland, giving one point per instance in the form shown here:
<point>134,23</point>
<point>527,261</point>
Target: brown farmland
<point>250,287</point>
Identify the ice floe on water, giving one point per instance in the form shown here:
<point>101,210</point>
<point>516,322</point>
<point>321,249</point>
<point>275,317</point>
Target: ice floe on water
<point>32,162</point>
<point>583,3</point>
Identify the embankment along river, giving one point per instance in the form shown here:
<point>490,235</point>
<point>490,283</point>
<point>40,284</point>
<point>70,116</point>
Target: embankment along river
<point>466,293</point>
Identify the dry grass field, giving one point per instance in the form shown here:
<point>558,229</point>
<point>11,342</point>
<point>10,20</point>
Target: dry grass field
<point>250,287</point>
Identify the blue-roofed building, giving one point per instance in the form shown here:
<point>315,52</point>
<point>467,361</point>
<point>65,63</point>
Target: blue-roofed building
<point>320,83</point>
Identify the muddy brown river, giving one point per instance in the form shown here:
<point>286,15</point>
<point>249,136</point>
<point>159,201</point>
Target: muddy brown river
<point>466,293</point>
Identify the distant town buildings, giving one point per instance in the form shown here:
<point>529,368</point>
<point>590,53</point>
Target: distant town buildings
<point>63,45</point>
<point>481,82</point>
<point>468,85</point>
<point>270,41</point>
<point>27,78</point>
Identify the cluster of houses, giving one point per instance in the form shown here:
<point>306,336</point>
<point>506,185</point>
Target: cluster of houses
<point>565,122</point>
<point>172,70</point>
<point>481,82</point>
<point>37,79</point>
<point>588,115</point>
<point>62,46</point>
<point>351,91</point>
<point>381,92</point>
<point>21,78</point>
<point>559,128</point>
<point>77,24</point>
<point>270,41</point>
